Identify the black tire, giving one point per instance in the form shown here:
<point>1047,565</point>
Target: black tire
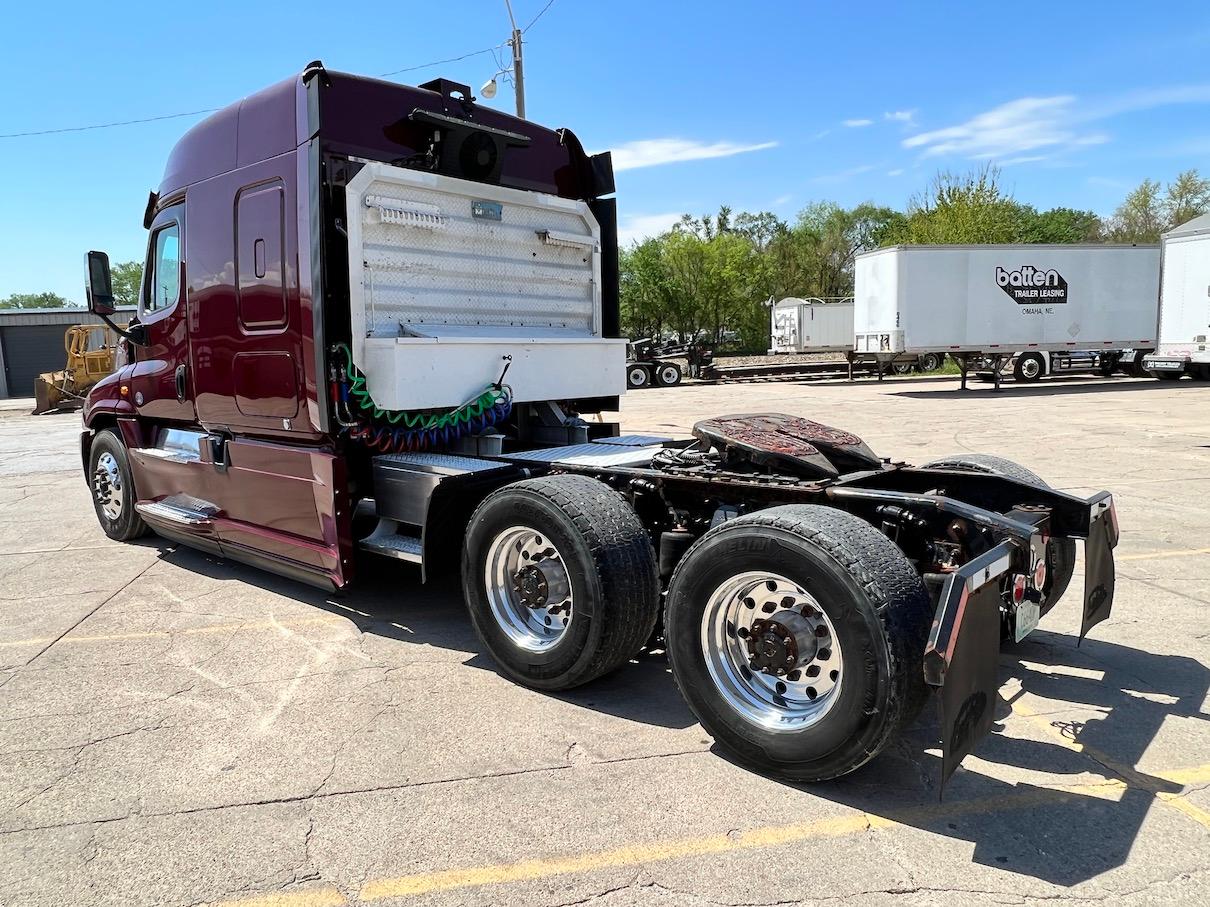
<point>1168,376</point>
<point>879,610</point>
<point>637,376</point>
<point>112,485</point>
<point>930,362</point>
<point>1107,367</point>
<point>610,566</point>
<point>903,368</point>
<point>1199,372</point>
<point>668,374</point>
<point>1029,367</point>
<point>1060,552</point>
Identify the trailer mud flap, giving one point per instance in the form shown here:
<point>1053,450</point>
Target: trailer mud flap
<point>1098,565</point>
<point>963,653</point>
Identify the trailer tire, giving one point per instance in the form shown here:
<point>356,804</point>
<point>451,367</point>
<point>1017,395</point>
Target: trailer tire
<point>930,362</point>
<point>637,376</point>
<point>844,573</point>
<point>112,487</point>
<point>1029,367</point>
<point>668,374</point>
<point>603,559</point>
<point>1060,552</point>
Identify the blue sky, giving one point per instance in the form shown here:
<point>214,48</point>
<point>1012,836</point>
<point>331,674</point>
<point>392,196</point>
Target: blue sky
<point>762,106</point>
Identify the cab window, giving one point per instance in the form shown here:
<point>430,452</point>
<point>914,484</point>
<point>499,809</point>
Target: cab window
<point>164,275</point>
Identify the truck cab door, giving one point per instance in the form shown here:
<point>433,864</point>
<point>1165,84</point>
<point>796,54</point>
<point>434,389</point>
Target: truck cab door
<point>160,381</point>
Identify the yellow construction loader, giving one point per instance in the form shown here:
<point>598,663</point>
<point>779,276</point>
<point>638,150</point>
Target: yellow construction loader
<point>91,351</point>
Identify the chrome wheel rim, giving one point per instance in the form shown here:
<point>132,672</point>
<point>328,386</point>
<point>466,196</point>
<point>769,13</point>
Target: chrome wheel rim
<point>669,375</point>
<point>1030,368</point>
<point>528,588</point>
<point>810,686</point>
<point>107,485</point>
<point>638,377</point>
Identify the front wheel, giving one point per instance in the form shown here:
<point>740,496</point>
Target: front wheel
<point>112,487</point>
<point>560,580</point>
<point>796,635</point>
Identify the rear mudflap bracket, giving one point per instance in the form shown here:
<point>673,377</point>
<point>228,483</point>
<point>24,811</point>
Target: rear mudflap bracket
<point>962,654</point>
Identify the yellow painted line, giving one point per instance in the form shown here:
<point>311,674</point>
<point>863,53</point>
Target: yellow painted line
<point>639,854</point>
<point>753,839</point>
<point>1153,555</point>
<point>312,897</point>
<point>1193,812</point>
<point>1129,774</point>
<point>245,626</point>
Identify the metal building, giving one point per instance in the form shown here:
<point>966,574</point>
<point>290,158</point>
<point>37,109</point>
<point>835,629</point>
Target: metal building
<point>31,342</point>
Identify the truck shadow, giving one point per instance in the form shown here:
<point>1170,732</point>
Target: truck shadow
<point>1083,819</point>
<point>389,601</point>
<point>1049,388</point>
<point>1067,802</point>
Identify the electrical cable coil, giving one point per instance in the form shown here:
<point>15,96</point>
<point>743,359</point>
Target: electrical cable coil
<point>407,431</point>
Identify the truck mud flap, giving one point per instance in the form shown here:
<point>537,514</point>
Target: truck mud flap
<point>1098,563</point>
<point>963,653</point>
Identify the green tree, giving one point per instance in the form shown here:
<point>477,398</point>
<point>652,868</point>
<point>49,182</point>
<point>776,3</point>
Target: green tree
<point>1140,217</point>
<point>1061,225</point>
<point>961,208</point>
<point>34,301</point>
<point>1186,197</point>
<point>126,277</point>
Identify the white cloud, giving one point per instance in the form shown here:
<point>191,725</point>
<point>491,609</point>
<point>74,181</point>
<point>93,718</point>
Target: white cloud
<point>1010,130</point>
<point>900,116</point>
<point>642,226</point>
<point>854,124</point>
<point>1034,129</point>
<point>898,171</point>
<point>782,200</point>
<point>653,152</point>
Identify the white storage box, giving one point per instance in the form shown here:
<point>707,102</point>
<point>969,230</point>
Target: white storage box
<point>449,277</point>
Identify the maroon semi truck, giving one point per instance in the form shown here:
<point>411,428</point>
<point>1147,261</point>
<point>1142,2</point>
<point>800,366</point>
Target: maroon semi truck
<point>372,320</point>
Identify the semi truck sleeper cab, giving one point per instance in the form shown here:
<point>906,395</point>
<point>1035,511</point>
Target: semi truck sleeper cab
<point>367,298</point>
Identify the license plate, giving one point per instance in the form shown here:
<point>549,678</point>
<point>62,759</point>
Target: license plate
<point>1025,619</point>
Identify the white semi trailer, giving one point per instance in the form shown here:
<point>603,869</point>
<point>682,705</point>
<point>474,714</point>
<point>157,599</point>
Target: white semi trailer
<point>1031,309</point>
<point>811,325</point>
<point>1184,341</point>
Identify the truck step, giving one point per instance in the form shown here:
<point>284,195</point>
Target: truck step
<point>180,510</point>
<point>389,541</point>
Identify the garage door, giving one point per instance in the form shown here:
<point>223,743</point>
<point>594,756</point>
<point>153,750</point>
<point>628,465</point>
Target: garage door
<point>30,350</point>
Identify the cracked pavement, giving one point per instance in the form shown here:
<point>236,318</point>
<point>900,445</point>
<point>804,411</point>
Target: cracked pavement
<point>180,730</point>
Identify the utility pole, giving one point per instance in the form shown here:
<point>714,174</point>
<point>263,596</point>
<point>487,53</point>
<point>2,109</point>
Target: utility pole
<point>518,63</point>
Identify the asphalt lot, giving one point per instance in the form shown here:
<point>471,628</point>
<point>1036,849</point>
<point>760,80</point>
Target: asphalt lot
<point>175,729</point>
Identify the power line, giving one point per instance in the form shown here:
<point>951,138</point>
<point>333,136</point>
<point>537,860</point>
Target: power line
<point>473,53</point>
<point>549,4</point>
<point>193,113</point>
<point>167,116</point>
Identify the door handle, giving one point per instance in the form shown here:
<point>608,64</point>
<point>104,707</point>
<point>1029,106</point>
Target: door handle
<point>180,383</point>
